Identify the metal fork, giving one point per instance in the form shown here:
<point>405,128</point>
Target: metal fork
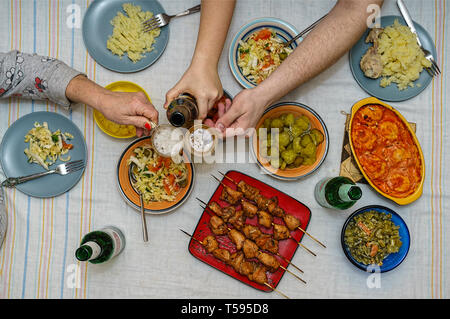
<point>434,69</point>
<point>62,169</point>
<point>301,34</point>
<point>163,19</point>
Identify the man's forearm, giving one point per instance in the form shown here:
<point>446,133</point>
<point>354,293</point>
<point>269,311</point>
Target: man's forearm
<point>214,23</point>
<point>328,42</point>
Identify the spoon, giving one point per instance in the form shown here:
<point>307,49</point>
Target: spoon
<point>141,199</point>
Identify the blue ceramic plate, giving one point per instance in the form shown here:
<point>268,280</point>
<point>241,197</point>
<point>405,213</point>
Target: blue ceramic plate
<point>391,92</point>
<point>284,31</point>
<point>97,29</point>
<point>15,163</point>
<point>392,260</point>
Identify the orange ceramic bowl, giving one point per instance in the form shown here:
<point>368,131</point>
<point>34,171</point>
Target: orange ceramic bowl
<point>316,121</point>
<point>418,191</point>
<point>131,196</point>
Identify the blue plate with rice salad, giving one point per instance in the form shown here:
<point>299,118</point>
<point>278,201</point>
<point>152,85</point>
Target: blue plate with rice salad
<point>283,31</point>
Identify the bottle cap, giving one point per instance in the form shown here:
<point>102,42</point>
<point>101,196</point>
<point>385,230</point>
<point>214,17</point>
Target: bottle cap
<point>354,193</point>
<point>83,253</point>
<point>177,119</point>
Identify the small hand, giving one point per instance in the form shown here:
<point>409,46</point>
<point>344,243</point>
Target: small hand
<point>201,82</point>
<point>129,108</point>
<point>222,108</point>
<point>243,114</point>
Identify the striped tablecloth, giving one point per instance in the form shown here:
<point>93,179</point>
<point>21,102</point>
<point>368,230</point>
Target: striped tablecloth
<point>37,257</point>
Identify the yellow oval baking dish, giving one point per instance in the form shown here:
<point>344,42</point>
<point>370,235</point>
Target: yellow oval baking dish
<point>419,188</point>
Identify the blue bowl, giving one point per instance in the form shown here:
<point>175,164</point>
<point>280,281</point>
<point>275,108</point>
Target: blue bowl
<point>392,260</point>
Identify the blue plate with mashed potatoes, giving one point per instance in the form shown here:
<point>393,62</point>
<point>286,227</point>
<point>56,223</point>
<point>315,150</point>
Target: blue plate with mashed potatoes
<point>98,28</point>
<point>391,92</point>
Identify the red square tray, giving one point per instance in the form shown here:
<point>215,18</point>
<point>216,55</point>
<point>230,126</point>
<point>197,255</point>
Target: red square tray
<point>287,247</point>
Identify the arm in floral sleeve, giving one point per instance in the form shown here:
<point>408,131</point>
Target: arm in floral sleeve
<point>35,77</point>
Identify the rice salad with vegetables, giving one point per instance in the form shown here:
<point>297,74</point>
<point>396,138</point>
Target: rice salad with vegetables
<point>157,178</point>
<point>46,147</point>
<point>261,54</point>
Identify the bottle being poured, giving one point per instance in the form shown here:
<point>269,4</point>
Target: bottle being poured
<point>183,111</point>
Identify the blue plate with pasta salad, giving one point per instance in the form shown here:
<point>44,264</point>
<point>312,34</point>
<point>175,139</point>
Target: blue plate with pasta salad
<point>15,163</point>
<point>280,30</point>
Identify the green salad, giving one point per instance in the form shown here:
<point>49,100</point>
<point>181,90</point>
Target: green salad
<point>371,237</point>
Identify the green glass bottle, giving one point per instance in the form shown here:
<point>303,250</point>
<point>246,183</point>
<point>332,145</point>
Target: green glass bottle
<point>101,245</point>
<point>337,192</point>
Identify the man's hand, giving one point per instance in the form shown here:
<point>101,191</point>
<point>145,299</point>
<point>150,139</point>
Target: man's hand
<point>203,83</point>
<point>245,111</point>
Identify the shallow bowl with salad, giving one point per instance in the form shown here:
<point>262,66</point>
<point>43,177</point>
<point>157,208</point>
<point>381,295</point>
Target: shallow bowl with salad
<point>165,183</point>
<point>375,239</point>
<point>257,49</point>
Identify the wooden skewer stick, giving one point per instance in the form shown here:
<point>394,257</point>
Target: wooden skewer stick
<point>293,274</point>
<point>277,254</point>
<point>304,231</point>
<point>276,290</point>
<point>310,236</point>
<point>266,284</point>
<point>218,180</point>
<point>300,244</point>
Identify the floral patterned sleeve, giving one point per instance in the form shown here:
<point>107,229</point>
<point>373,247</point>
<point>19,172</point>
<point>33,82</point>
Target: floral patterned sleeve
<point>35,77</point>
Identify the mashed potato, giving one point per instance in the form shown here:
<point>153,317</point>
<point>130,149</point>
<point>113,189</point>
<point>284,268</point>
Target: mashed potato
<point>114,128</point>
<point>402,58</point>
<point>128,36</point>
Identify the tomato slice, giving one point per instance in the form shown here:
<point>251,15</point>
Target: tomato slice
<point>264,34</point>
<point>66,146</point>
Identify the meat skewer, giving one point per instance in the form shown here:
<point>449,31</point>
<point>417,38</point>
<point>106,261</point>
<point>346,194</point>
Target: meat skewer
<point>262,241</point>
<point>281,232</point>
<point>250,252</point>
<point>264,217</point>
<point>251,193</point>
<point>255,273</point>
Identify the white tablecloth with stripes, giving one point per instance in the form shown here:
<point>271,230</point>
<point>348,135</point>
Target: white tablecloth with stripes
<point>37,258</point>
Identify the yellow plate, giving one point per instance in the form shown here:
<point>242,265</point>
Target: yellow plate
<point>399,200</point>
<point>103,123</point>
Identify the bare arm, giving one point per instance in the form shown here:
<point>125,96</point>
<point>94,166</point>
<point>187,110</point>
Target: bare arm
<point>328,42</point>
<point>201,78</point>
<point>131,108</point>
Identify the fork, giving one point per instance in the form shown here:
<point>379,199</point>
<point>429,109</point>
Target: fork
<point>312,26</point>
<point>62,169</point>
<point>434,69</point>
<point>163,19</point>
